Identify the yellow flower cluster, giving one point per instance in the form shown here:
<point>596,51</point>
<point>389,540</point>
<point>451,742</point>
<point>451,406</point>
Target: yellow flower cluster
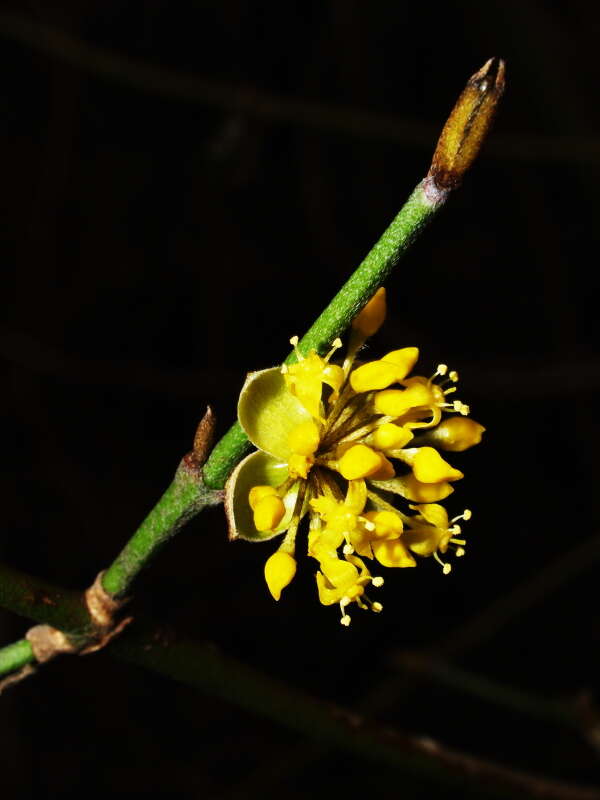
<point>340,444</point>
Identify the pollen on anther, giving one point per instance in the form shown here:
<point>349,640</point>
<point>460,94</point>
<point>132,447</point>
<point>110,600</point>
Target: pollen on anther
<point>345,620</point>
<point>441,369</point>
<point>460,551</point>
<point>377,581</point>
<point>376,607</point>
<point>453,376</point>
<point>467,514</point>
<point>294,341</point>
<point>348,550</point>
<point>447,568</point>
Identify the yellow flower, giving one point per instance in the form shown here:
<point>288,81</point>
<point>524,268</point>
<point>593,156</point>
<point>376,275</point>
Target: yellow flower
<point>355,449</point>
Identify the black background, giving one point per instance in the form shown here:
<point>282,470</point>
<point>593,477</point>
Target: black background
<point>155,247</point>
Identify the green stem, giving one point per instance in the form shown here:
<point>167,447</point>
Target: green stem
<point>202,665</point>
<point>16,656</point>
<point>423,204</point>
<point>41,601</point>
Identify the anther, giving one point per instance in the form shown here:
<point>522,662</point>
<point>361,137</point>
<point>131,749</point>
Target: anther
<point>455,530</point>
<point>460,551</point>
<point>377,581</point>
<point>453,376</point>
<point>345,620</point>
<point>444,565</point>
<point>294,342</point>
<point>347,550</point>
<point>441,369</point>
<point>466,515</point>
<point>335,345</point>
<point>376,607</point>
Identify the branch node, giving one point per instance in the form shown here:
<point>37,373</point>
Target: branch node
<point>102,608</point>
<point>48,642</point>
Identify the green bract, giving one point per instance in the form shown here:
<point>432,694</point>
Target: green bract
<point>257,469</point>
<point>268,412</point>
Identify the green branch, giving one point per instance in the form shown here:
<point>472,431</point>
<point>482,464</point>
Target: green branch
<point>203,667</point>
<point>16,656</point>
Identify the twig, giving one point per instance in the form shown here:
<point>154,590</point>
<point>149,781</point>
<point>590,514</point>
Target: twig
<point>549,710</point>
<point>204,667</point>
<point>16,658</point>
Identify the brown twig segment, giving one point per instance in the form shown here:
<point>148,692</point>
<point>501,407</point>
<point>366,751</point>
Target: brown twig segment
<point>16,677</point>
<point>467,126</point>
<point>103,607</point>
<point>48,642</point>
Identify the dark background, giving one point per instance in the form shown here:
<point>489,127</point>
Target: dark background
<point>160,239</point>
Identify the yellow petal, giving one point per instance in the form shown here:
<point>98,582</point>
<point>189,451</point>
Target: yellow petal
<point>430,467</point>
<point>404,359</point>
<point>409,487</point>
<point>304,438</point>
<point>393,554</point>
<point>388,525</point>
<point>359,461</point>
<point>373,375</point>
<point>434,513</point>
<point>385,471</point>
<point>356,496</point>
<point>279,572</point>
<point>456,434</point>
<point>268,513</point>
<point>395,402</point>
<point>258,492</point>
<point>371,318</point>
<point>390,436</point>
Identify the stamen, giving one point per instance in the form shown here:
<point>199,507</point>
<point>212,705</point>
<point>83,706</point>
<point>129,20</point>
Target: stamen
<point>450,390</point>
<point>458,541</point>
<point>461,408</point>
<point>441,369</point>
<point>284,369</point>
<point>466,515</point>
<point>344,602</point>
<point>335,345</point>
<point>455,530</point>
<point>347,550</point>
<point>294,342</point>
<point>446,568</point>
<point>377,581</point>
